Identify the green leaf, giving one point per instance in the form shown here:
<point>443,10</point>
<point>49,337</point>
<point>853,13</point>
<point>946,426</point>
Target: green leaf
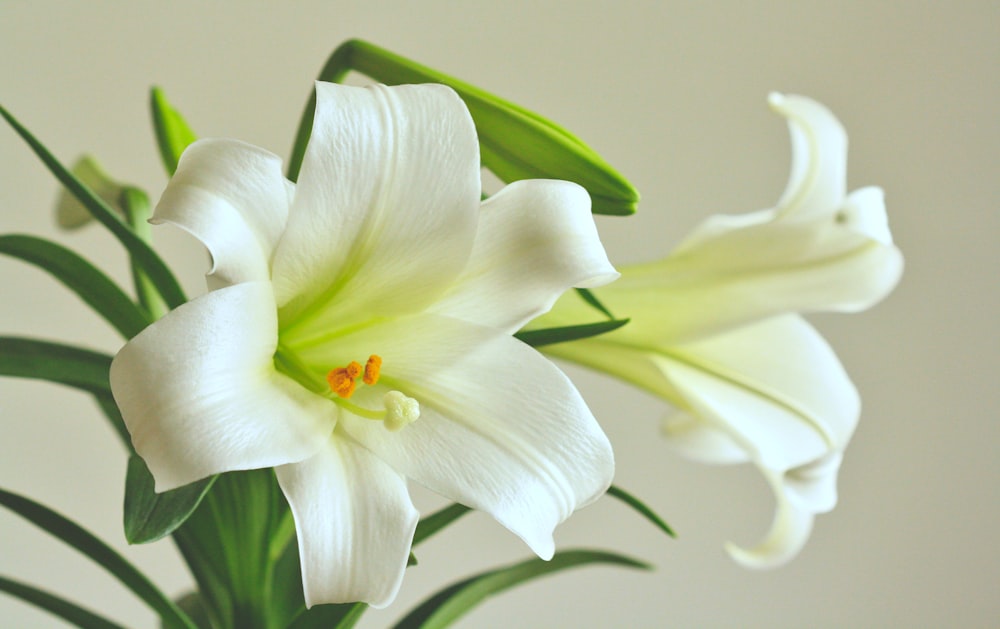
<point>66,610</point>
<point>438,520</point>
<point>641,508</point>
<point>234,543</point>
<point>43,360</point>
<point>548,336</point>
<point>140,251</point>
<point>150,516</point>
<point>343,616</point>
<point>589,297</point>
<point>515,143</point>
<point>101,553</point>
<point>72,366</point>
<point>453,602</point>
<point>173,134</point>
<point>93,286</point>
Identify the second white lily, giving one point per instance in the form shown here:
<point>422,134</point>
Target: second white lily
<point>714,329</point>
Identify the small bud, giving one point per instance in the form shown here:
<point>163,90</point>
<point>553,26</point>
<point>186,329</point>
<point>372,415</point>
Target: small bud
<point>70,213</point>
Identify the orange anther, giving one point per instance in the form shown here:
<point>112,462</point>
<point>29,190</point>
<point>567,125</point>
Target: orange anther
<point>341,379</point>
<point>372,369</point>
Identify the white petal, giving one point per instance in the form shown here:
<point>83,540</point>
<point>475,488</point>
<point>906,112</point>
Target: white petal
<point>354,522</point>
<point>800,493</point>
<point>386,205</point>
<point>754,272</point>
<point>234,199</point>
<point>814,485</point>
<point>864,212</point>
<point>817,183</point>
<point>775,387</point>
<point>702,441</point>
<point>501,429</point>
<point>199,393</point>
<point>789,531</point>
<point>536,238</point>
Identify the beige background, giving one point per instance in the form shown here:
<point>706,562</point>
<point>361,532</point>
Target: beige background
<point>673,94</point>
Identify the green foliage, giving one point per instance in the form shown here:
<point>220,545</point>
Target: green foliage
<point>641,508</point>
<point>94,287</point>
<point>66,610</point>
<point>453,602</point>
<point>141,252</point>
<point>150,516</point>
<point>548,336</point>
<point>436,521</point>
<point>102,554</point>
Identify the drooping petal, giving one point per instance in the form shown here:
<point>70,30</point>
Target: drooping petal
<point>501,429</point>
<point>200,395</point>
<point>799,494</point>
<point>775,387</point>
<point>354,522</point>
<point>536,238</point>
<point>233,198</point>
<point>789,532</point>
<point>864,212</point>
<point>385,209</point>
<point>818,180</point>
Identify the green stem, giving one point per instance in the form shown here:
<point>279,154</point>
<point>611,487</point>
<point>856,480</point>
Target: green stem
<point>137,209</point>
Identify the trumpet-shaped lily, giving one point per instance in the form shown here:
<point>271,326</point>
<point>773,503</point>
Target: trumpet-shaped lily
<point>714,329</point>
<point>358,333</point>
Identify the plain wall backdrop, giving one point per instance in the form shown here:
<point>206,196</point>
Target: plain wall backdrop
<point>674,95</point>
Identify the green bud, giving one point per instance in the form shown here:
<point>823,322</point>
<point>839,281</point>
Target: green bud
<point>173,134</point>
<point>515,143</point>
<point>70,213</point>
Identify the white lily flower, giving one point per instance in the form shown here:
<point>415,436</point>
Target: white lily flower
<point>359,333</point>
<point>714,329</point>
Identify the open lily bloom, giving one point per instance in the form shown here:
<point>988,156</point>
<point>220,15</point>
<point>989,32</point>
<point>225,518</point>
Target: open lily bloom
<point>714,328</point>
<point>358,333</point>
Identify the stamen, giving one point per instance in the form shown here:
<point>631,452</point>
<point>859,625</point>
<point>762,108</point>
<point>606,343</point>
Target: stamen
<point>341,379</point>
<point>400,410</point>
<point>372,369</point>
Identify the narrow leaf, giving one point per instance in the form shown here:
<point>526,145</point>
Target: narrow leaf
<point>641,508</point>
<point>438,520</point>
<point>93,286</point>
<point>143,254</point>
<point>173,134</point>
<point>589,297</point>
<point>101,553</point>
<point>453,602</point>
<point>66,610</point>
<point>548,336</point>
<point>342,616</point>
<point>150,516</point>
<point>43,360</point>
